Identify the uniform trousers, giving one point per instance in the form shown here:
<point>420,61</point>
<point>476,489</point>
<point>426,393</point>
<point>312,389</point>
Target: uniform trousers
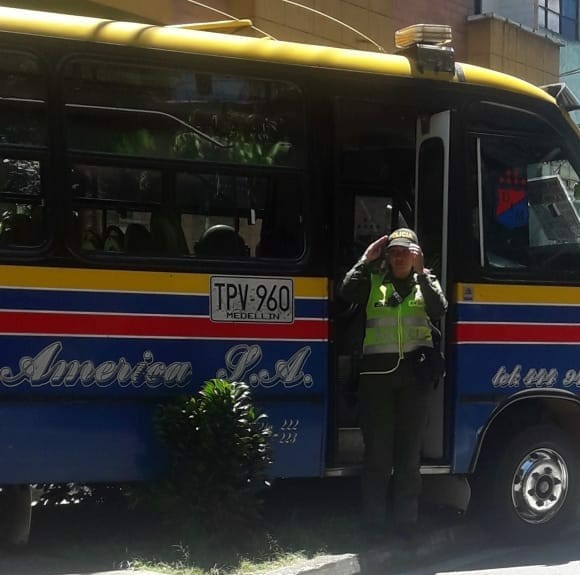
<point>393,416</point>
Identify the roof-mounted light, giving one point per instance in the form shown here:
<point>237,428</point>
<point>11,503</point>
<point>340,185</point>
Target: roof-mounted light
<point>564,96</point>
<point>431,34</point>
<point>427,46</point>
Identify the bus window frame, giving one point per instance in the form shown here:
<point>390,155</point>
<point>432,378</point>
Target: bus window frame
<point>168,170</point>
<point>555,125</point>
<point>202,64</point>
<point>43,155</point>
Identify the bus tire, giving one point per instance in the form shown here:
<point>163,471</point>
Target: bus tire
<point>532,485</point>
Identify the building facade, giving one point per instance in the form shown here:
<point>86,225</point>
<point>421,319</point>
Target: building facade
<point>559,20</point>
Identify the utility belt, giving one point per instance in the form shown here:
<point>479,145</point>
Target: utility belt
<point>427,363</point>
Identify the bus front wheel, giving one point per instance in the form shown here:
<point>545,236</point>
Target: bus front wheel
<point>532,484</point>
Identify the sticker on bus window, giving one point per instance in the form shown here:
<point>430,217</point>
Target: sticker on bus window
<point>252,299</point>
<point>511,207</point>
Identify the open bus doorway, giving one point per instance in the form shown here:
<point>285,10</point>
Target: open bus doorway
<point>392,172</point>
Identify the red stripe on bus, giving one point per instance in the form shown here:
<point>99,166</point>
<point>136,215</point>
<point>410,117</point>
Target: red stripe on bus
<point>123,325</point>
<point>516,333</point>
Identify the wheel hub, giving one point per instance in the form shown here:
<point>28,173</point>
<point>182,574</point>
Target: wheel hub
<point>540,485</point>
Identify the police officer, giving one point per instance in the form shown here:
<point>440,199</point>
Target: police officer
<point>402,298</point>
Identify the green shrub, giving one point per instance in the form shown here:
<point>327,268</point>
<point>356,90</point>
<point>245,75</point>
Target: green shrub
<point>219,448</point>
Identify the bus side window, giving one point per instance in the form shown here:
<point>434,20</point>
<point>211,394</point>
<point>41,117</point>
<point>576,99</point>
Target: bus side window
<point>529,218</point>
<point>16,230</point>
<point>114,209</point>
<point>139,110</point>
<point>277,243</point>
<point>22,214</point>
<point>38,222</point>
<point>23,151</point>
<point>282,230</point>
<point>258,216</point>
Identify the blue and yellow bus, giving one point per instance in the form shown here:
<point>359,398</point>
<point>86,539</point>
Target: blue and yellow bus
<point>178,205</point>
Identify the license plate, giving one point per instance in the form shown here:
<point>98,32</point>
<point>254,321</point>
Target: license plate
<point>252,299</point>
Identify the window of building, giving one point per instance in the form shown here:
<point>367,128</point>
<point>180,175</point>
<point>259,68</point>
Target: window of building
<point>559,16</point>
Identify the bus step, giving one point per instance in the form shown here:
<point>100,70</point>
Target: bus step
<point>349,446</point>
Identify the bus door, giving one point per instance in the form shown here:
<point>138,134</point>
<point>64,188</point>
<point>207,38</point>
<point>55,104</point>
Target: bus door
<point>431,209</point>
<point>374,173</point>
<point>392,170</point>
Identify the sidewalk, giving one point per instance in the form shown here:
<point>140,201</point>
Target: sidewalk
<point>381,557</point>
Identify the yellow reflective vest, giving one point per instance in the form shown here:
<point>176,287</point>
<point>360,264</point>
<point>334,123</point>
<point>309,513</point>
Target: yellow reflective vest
<point>399,329</point>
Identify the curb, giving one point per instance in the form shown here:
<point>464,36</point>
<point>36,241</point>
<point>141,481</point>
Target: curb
<point>118,572</point>
<point>380,558</point>
<point>347,564</point>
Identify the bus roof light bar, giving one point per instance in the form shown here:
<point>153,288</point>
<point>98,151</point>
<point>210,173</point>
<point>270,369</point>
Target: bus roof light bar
<point>427,46</point>
<point>431,34</point>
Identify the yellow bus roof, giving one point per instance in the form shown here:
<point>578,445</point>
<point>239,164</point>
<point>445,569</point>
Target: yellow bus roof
<point>87,29</point>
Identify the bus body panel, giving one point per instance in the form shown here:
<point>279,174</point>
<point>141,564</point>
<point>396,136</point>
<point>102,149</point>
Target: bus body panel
<point>324,144</point>
<point>520,338</point>
<point>88,441</point>
<point>61,441</point>
<point>116,353</point>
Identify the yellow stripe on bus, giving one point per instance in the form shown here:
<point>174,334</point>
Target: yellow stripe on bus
<point>130,281</point>
<point>210,43</point>
<point>484,77</point>
<point>517,294</point>
<point>311,287</point>
<point>241,47</point>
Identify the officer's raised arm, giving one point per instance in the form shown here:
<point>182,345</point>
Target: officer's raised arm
<point>356,283</point>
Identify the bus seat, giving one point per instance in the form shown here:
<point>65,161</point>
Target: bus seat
<point>91,241</point>
<point>138,240</point>
<point>17,230</point>
<point>114,239</point>
<point>167,233</point>
<point>221,241</point>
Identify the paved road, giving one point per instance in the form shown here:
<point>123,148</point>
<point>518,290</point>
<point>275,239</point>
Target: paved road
<point>561,557</point>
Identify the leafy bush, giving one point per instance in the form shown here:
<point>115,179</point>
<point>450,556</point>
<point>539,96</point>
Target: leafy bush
<point>219,448</point>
